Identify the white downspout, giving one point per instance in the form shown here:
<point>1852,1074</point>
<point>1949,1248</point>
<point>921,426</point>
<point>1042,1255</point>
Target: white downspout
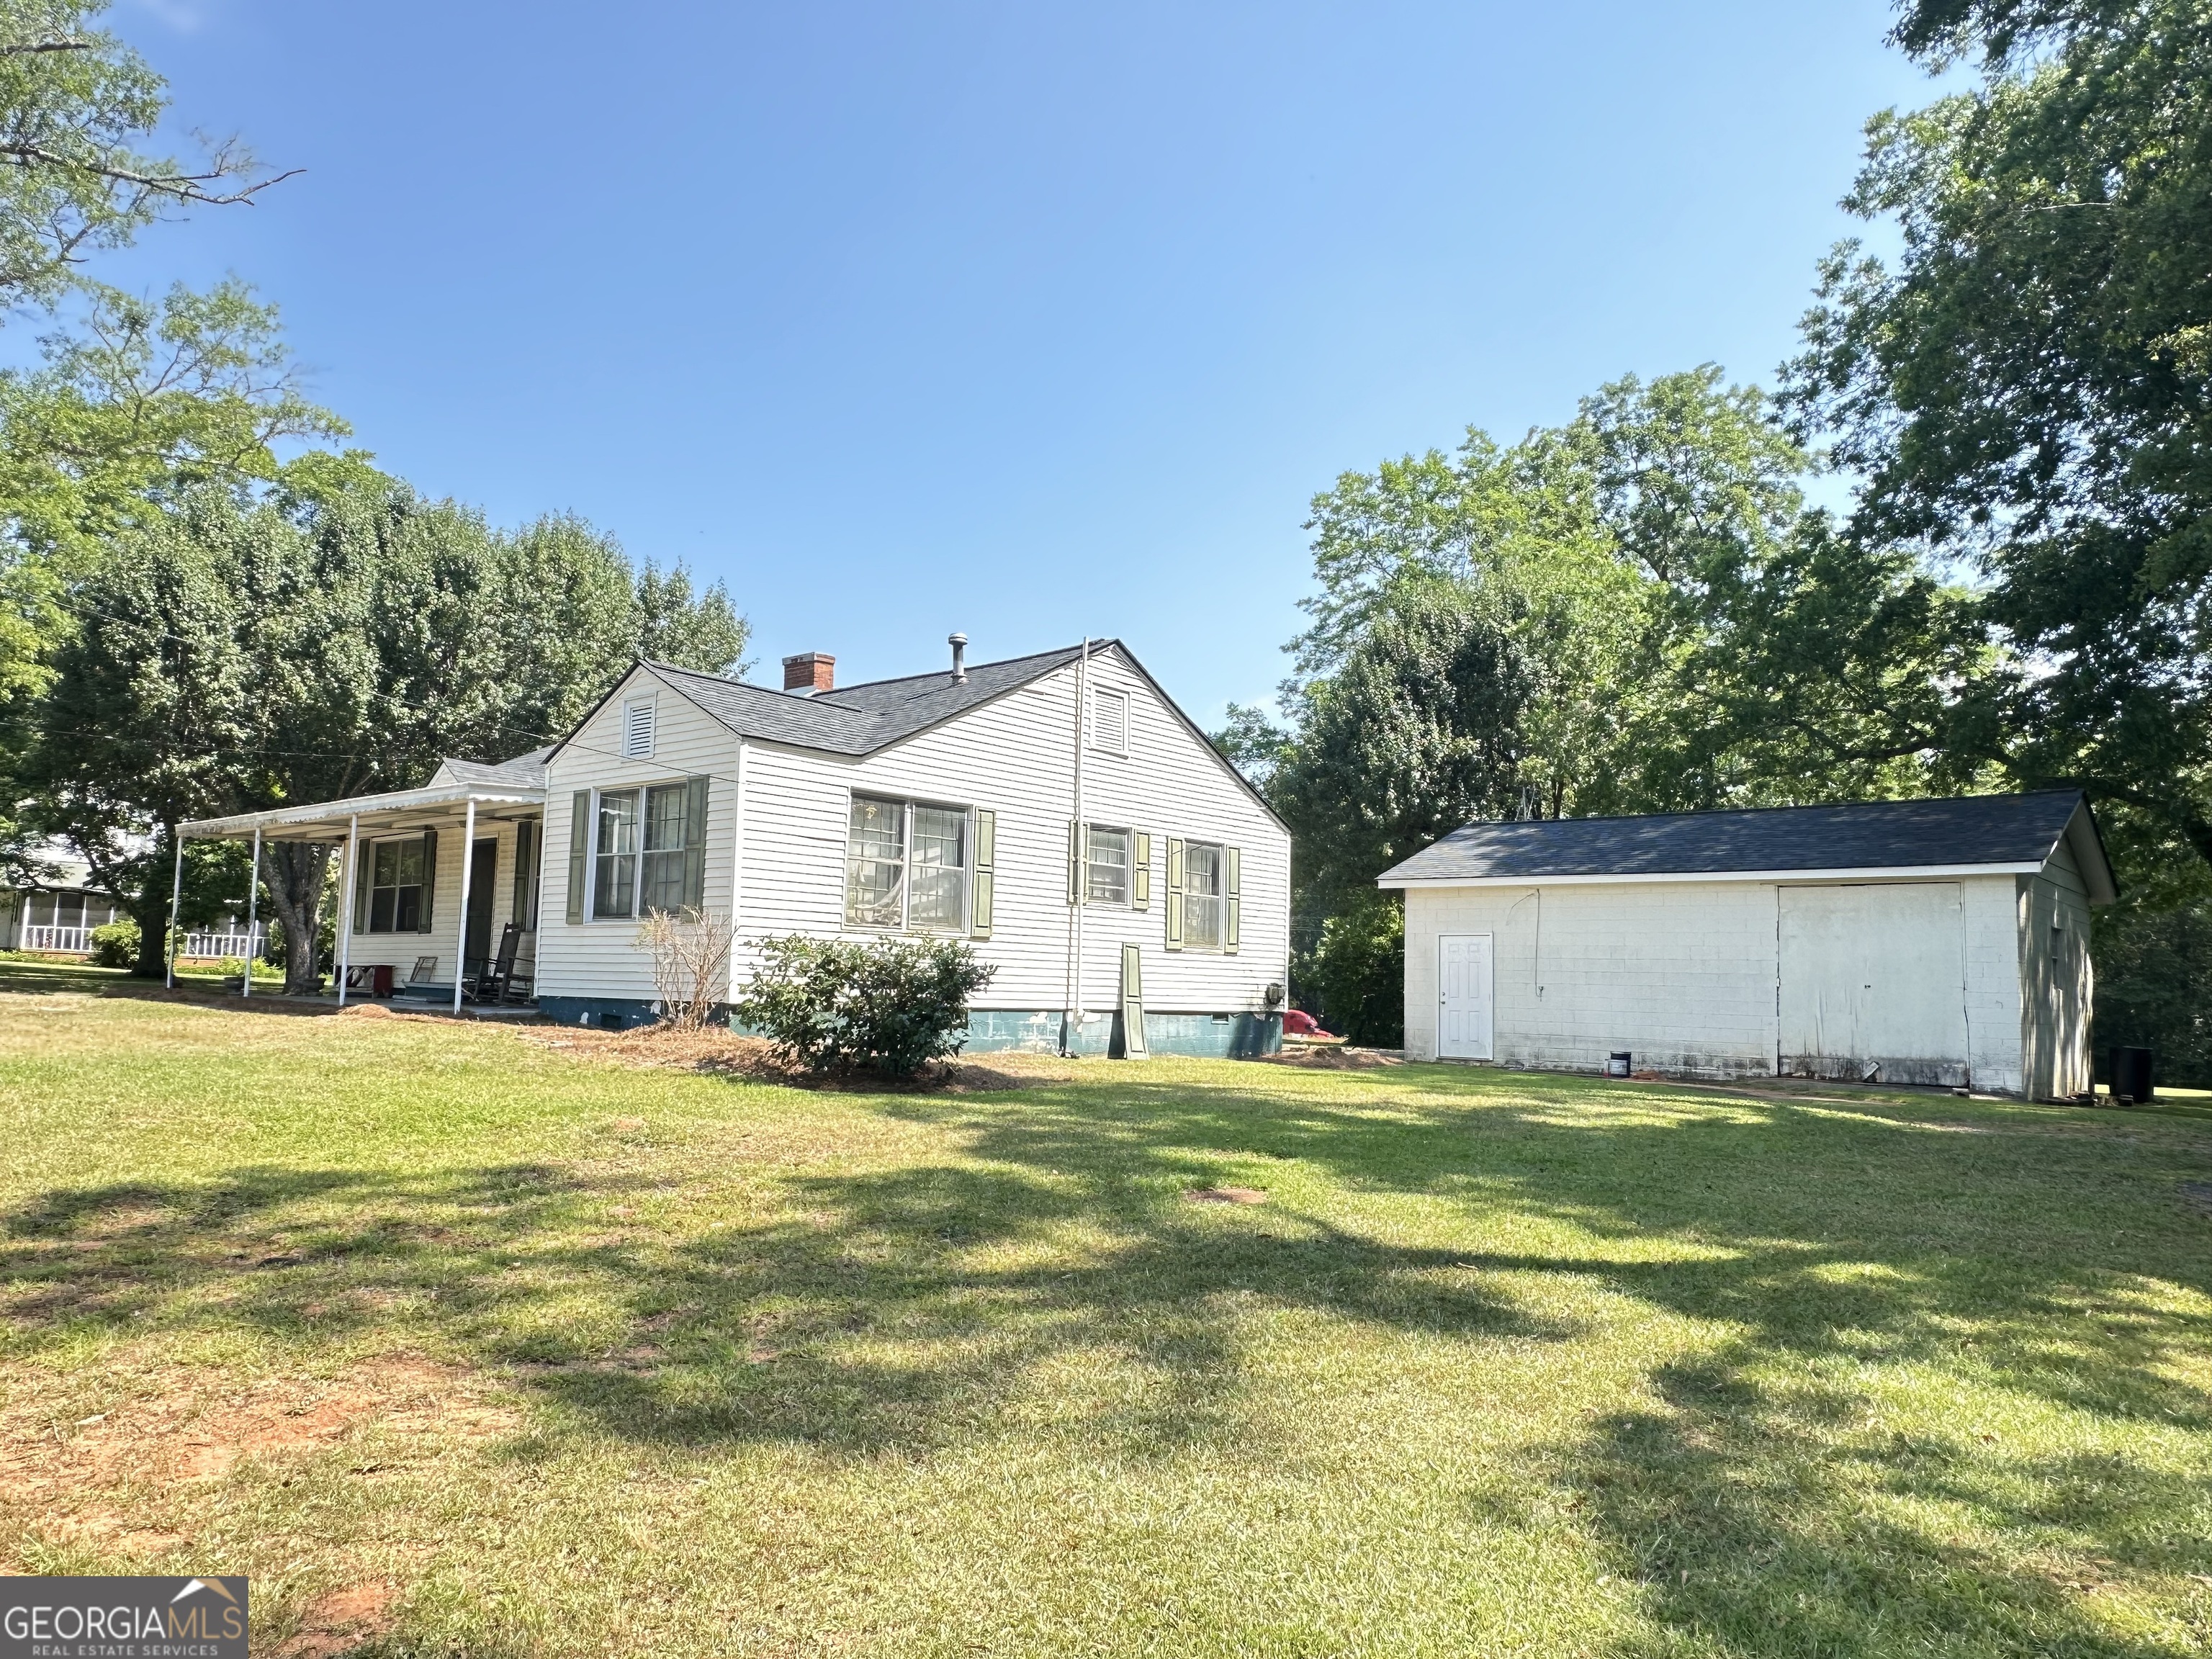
<point>252,897</point>
<point>468,860</point>
<point>738,868</point>
<point>1080,851</point>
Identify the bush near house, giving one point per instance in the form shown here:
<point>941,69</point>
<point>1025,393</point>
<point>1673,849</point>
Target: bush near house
<point>116,944</point>
<point>889,1007</point>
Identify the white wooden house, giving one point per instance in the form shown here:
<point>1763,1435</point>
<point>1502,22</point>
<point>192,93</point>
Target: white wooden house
<point>1921,941</point>
<point>1115,862</point>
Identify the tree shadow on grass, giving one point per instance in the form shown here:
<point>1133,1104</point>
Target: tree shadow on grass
<point>908,1308</point>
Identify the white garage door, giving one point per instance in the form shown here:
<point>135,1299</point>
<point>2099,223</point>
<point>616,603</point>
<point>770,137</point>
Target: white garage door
<point>1874,983</point>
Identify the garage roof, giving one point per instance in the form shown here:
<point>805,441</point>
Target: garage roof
<point>1972,833</point>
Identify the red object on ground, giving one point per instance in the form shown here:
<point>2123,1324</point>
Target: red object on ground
<point>1296,1022</point>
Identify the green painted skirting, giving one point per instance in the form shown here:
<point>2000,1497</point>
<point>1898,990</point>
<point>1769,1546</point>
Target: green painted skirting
<point>1204,1037</point>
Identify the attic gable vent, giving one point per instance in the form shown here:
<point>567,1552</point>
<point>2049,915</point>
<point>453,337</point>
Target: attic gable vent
<point>637,731</point>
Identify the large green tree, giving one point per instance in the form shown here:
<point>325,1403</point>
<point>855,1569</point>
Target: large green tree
<point>2026,387</point>
<point>336,637</point>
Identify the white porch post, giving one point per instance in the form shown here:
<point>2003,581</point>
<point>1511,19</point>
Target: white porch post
<point>176,899</point>
<point>345,904</point>
<point>468,859</point>
<point>253,898</point>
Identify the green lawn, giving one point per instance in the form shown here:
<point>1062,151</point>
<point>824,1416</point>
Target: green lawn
<point>458,1343</point>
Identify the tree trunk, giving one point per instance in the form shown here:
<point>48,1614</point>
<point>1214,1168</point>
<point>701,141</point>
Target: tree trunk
<point>294,882</point>
<point>151,912</point>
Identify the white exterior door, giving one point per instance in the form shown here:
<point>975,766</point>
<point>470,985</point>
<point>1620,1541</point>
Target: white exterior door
<point>1463,996</point>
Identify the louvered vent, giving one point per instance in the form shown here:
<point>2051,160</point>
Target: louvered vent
<point>637,731</point>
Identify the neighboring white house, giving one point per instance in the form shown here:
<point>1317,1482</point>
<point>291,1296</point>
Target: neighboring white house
<point>938,804</point>
<point>1924,941</point>
<point>55,916</point>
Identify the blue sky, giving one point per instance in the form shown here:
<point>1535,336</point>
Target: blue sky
<point>1031,321</point>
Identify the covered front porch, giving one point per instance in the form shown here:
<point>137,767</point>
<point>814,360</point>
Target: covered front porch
<point>436,889</point>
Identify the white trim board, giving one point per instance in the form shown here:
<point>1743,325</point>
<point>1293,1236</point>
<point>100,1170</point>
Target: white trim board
<point>1902,873</point>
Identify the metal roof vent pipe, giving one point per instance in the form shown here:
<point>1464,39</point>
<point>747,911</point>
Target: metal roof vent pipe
<point>959,644</point>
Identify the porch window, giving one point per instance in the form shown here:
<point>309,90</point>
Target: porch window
<point>1107,880</point>
<point>395,887</point>
<point>907,866</point>
<point>1203,886</point>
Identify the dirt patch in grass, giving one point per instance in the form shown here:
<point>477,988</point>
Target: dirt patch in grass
<point>340,1621</point>
<point>717,1050</point>
<point>198,1425</point>
<point>1227,1195</point>
<point>1336,1060</point>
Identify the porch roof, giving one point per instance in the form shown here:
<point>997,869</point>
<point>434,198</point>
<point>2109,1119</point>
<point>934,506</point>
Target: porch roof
<point>396,809</point>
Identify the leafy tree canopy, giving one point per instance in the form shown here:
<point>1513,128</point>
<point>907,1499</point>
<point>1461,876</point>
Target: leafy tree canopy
<point>77,107</point>
<point>2027,388</point>
<point>337,638</point>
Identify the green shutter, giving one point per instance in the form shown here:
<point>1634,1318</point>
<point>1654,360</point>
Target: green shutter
<point>580,846</point>
<point>1175,894</point>
<point>1140,871</point>
<point>364,856</point>
<point>430,876</point>
<point>1133,1004</point>
<point>695,845</point>
<point>1074,863</point>
<point>986,860</point>
<point>1232,921</point>
<point>523,909</point>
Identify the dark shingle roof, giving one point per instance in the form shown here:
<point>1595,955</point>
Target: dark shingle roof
<point>858,720</point>
<point>524,771</point>
<point>1889,835</point>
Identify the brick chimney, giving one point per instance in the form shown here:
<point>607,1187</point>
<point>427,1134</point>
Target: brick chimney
<point>810,671</point>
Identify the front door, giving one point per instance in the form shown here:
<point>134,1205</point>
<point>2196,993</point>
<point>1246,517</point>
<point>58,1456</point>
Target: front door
<point>484,870</point>
<point>1463,996</point>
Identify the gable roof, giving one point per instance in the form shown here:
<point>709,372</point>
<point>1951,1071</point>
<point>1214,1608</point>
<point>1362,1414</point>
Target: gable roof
<point>1975,832</point>
<point>860,719</point>
<point>524,771</point>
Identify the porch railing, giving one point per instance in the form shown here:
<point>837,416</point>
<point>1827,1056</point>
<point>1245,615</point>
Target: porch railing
<point>61,941</point>
<point>208,946</point>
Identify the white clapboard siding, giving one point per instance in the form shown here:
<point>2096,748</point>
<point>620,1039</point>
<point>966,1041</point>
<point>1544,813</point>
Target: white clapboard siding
<point>597,958</point>
<point>1015,756</point>
<point>443,940</point>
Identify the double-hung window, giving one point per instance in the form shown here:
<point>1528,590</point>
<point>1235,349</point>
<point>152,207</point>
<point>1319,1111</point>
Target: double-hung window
<point>665,805</point>
<point>1204,883</point>
<point>639,856</point>
<point>906,866</point>
<point>614,880</point>
<point>1106,879</point>
<point>395,887</point>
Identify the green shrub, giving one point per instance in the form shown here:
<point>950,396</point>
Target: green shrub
<point>838,1006</point>
<point>115,944</point>
<point>1358,972</point>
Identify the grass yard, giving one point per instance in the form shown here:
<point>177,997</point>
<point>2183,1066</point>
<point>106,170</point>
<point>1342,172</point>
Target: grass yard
<point>460,1343</point>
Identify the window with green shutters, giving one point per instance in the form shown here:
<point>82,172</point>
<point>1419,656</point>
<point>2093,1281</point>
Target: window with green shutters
<point>907,866</point>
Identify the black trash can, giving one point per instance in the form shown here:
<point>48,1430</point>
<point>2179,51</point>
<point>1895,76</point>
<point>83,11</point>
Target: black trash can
<point>2130,1074</point>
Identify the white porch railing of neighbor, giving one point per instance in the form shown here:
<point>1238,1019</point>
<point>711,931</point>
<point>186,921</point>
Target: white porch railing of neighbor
<point>70,941</point>
<point>208,947</point>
